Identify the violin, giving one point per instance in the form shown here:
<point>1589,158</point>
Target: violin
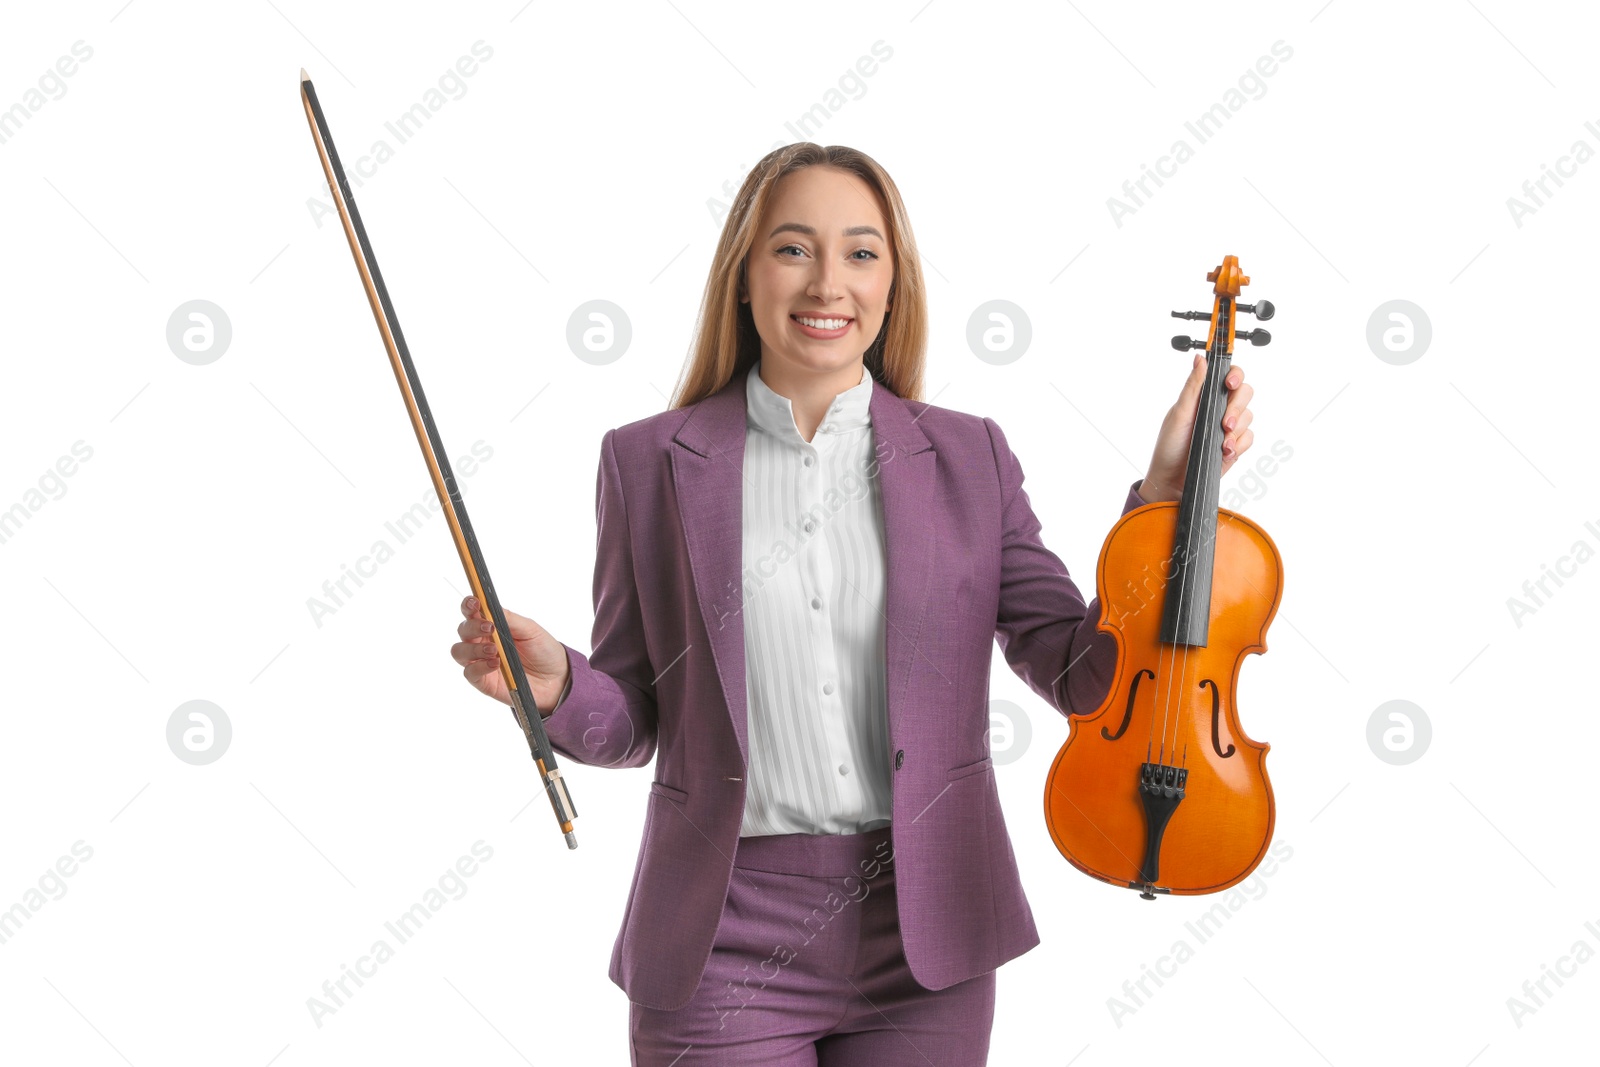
<point>1160,789</point>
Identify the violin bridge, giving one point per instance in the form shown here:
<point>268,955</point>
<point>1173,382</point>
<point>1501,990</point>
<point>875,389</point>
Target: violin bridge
<point>1160,790</point>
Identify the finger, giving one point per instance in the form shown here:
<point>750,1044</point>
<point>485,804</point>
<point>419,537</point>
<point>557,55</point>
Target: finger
<point>1233,422</point>
<point>1189,395</point>
<point>474,629</point>
<point>1235,376</point>
<point>1238,402</point>
<point>476,672</point>
<point>1233,448</point>
<point>467,653</point>
<point>521,626</point>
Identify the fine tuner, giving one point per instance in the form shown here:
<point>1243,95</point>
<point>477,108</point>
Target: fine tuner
<point>1261,309</point>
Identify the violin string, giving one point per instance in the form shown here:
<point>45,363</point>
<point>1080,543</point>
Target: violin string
<point>1202,479</point>
<point>1210,454</point>
<point>1166,697</point>
<point>1183,581</point>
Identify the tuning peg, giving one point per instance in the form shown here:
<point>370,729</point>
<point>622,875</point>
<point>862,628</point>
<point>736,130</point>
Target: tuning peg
<point>1183,344</point>
<point>1261,309</point>
<point>1256,337</point>
<point>1201,315</point>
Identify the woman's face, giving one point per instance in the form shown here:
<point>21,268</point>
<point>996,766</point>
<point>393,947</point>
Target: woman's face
<point>821,255</point>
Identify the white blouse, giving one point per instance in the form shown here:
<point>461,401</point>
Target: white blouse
<point>813,574</point>
<point>813,596</point>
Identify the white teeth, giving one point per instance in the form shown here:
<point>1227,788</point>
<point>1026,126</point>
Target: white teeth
<point>822,324</point>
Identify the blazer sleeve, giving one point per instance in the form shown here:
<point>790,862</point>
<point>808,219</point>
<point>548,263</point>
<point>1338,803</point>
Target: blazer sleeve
<point>1049,636</point>
<point>606,717</point>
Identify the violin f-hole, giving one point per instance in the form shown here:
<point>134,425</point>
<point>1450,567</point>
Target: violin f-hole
<point>1127,713</point>
<point>1216,716</point>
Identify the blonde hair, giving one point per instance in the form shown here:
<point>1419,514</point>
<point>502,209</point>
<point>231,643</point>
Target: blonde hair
<point>726,342</point>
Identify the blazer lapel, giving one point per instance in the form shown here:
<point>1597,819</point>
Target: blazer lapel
<point>707,473</point>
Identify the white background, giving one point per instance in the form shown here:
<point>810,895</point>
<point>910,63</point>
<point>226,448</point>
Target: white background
<point>177,562</point>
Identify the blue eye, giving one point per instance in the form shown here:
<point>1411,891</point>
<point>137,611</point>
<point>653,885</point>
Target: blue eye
<point>797,248</point>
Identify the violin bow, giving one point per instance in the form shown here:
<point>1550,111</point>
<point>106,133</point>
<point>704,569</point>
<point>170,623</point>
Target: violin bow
<point>433,451</point>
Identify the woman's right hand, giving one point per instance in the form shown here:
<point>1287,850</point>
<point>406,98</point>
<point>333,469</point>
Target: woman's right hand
<point>544,659</point>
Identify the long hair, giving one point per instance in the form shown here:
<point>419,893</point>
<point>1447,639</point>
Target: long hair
<point>726,342</point>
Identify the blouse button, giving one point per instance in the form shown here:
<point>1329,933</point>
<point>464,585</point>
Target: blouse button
<point>827,687</point>
<point>816,602</point>
<point>807,461</point>
<point>843,769</point>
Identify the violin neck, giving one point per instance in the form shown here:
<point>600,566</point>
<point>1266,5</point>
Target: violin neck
<point>1187,612</point>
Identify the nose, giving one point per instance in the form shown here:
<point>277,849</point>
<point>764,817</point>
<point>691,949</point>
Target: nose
<point>824,286</point>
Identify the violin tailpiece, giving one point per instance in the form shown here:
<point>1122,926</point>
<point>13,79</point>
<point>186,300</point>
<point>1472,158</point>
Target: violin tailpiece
<point>1160,789</point>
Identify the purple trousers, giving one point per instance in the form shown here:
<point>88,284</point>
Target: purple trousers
<point>808,969</point>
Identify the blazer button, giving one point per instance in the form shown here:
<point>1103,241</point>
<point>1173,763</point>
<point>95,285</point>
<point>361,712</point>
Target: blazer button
<point>899,758</point>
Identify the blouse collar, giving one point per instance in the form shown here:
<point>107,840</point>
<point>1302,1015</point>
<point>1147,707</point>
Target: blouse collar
<point>774,413</point>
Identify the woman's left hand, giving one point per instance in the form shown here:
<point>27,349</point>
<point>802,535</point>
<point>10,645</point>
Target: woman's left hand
<point>1169,463</point>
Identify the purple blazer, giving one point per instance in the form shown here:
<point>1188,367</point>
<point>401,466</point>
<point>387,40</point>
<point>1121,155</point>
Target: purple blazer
<point>666,677</point>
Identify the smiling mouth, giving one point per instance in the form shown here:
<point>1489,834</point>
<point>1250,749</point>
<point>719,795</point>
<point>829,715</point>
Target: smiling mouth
<point>823,322</point>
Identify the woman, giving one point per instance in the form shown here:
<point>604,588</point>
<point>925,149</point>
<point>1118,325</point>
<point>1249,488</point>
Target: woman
<point>799,571</point>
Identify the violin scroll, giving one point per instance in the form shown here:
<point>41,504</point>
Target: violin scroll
<point>1229,280</point>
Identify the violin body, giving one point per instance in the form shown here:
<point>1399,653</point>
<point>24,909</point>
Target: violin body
<point>1160,789</point>
<point>1217,834</point>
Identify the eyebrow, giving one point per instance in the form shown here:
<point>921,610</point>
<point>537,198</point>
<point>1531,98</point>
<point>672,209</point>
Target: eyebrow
<point>810,231</point>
